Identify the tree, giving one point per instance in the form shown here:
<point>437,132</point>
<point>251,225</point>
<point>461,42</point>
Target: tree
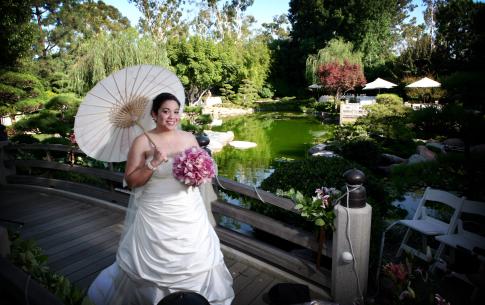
<point>223,21</point>
<point>17,32</point>
<point>372,26</point>
<point>61,23</point>
<point>460,37</point>
<point>56,117</point>
<point>108,52</point>
<point>336,51</point>
<point>339,78</point>
<point>198,63</point>
<point>278,29</point>
<point>416,59</point>
<point>162,19</point>
<point>19,92</point>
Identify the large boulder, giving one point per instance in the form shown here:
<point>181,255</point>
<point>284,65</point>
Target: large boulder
<point>317,148</point>
<point>392,159</point>
<point>426,153</point>
<point>454,144</point>
<point>478,149</point>
<point>416,158</point>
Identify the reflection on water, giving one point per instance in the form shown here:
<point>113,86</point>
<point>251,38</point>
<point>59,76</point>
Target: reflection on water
<point>279,136</point>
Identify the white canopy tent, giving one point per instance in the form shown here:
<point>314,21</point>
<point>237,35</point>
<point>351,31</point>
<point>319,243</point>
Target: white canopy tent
<point>379,83</point>
<point>424,83</point>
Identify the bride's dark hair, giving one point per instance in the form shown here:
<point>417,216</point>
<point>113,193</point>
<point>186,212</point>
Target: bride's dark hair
<point>162,98</point>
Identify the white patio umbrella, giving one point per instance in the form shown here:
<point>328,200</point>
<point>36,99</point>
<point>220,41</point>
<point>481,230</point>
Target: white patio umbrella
<point>424,83</point>
<point>117,110</point>
<point>379,83</point>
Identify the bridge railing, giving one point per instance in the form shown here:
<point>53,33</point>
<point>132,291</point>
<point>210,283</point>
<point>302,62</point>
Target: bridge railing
<point>17,170</point>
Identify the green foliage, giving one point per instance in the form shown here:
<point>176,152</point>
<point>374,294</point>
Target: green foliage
<point>15,86</point>
<point>56,140</point>
<point>266,92</point>
<point>389,99</point>
<point>309,174</point>
<point>194,121</point>
<point>10,94</point>
<point>31,104</point>
<point>350,132</point>
<point>227,92</point>
<point>449,121</point>
<point>465,87</point>
<point>317,209</point>
<point>18,34</point>
<point>373,27</point>
<point>336,51</point>
<point>365,152</point>
<point>105,53</point>
<point>452,172</point>
<point>387,118</point>
<point>24,139</point>
<point>416,59</point>
<point>57,117</point>
<point>63,102</point>
<point>460,35</point>
<point>26,255</point>
<point>198,63</point>
<point>247,94</point>
<point>285,104</point>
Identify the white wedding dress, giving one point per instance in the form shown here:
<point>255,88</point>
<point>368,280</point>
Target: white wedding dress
<point>170,246</point>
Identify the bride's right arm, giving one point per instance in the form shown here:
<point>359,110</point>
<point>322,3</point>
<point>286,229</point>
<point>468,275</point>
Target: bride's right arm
<point>137,172</point>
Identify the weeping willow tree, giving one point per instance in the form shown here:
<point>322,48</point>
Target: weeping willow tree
<point>337,51</point>
<point>106,53</point>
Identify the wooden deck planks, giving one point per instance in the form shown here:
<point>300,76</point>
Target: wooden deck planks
<point>81,239</point>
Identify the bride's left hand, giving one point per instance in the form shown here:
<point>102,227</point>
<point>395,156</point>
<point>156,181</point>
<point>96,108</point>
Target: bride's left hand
<point>159,157</point>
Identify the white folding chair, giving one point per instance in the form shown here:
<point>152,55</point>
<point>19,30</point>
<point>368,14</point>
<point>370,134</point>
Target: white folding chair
<point>462,237</point>
<point>473,241</point>
<point>429,226</point>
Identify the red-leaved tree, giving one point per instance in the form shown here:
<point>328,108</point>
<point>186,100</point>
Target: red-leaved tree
<point>339,78</point>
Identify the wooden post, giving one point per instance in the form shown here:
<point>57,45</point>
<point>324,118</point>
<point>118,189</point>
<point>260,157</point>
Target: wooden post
<point>3,170</point>
<point>321,239</point>
<point>351,240</point>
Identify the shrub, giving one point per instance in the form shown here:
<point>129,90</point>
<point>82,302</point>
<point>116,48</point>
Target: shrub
<point>389,99</point>
<point>365,152</point>
<point>266,92</point>
<point>466,87</point>
<point>24,139</point>
<point>23,81</point>
<point>453,172</point>
<point>26,255</point>
<point>63,102</point>
<point>30,105</point>
<point>10,94</point>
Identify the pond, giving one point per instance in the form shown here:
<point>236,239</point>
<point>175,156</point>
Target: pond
<point>279,136</point>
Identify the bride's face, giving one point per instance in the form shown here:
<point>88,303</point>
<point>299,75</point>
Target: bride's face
<point>168,115</point>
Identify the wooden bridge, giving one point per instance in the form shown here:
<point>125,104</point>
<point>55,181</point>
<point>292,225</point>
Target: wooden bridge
<point>78,225</point>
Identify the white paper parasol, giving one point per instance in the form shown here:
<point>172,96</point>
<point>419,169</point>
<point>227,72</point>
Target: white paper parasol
<point>117,110</point>
<point>379,83</point>
<point>424,83</point>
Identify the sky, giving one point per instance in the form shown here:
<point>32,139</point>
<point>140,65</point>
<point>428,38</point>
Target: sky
<point>262,10</point>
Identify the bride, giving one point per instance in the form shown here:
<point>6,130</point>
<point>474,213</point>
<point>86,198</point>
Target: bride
<point>168,243</point>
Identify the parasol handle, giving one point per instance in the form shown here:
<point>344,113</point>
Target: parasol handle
<point>146,134</point>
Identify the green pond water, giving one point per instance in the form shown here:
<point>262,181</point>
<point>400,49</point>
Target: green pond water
<point>279,136</point>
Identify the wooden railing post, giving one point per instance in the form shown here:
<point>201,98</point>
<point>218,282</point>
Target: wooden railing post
<point>3,157</point>
<point>351,240</point>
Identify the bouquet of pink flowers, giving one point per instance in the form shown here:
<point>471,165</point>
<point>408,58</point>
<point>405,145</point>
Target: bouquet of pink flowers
<point>193,167</point>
